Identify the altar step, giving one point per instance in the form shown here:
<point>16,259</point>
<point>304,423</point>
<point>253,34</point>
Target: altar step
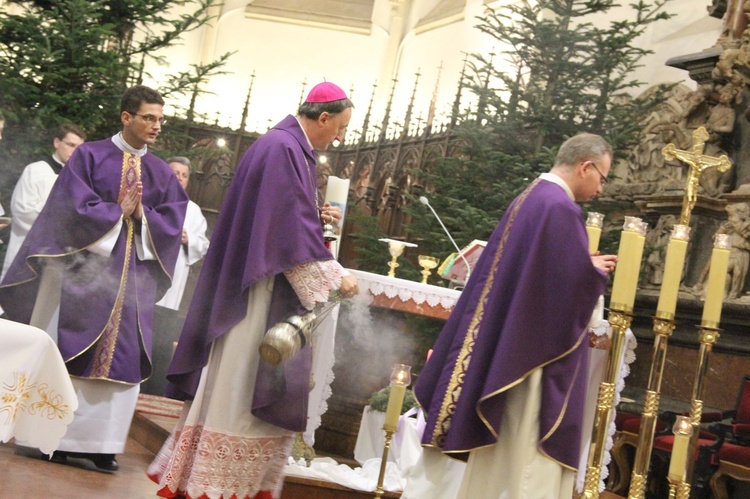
<point>155,417</point>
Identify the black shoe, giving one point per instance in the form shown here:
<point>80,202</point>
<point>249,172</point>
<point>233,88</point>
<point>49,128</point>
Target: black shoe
<point>58,457</point>
<point>105,462</point>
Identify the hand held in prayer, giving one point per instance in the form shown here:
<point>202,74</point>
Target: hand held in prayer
<point>349,286</point>
<point>131,201</point>
<point>138,212</point>
<point>605,263</point>
<point>184,236</point>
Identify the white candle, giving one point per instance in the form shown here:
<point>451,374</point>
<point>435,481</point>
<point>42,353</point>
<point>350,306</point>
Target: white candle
<point>717,276</point>
<point>594,233</point>
<point>628,264</point>
<point>594,223</point>
<point>337,191</point>
<point>673,271</point>
<point>395,402</point>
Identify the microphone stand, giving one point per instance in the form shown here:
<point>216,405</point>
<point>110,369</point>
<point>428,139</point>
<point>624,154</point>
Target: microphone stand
<point>426,202</point>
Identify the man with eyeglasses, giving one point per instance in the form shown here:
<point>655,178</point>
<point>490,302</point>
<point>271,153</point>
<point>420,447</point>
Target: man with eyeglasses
<point>35,184</point>
<point>99,256</point>
<point>504,388</point>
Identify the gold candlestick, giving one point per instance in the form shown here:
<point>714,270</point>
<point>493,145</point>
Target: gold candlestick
<point>663,328</point>
<point>379,491</point>
<point>427,263</point>
<point>400,379</point>
<point>621,308</point>
<point>708,336</point>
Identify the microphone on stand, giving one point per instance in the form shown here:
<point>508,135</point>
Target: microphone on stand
<point>426,202</point>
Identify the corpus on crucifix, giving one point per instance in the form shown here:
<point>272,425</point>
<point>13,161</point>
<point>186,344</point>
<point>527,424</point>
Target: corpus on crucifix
<point>698,163</point>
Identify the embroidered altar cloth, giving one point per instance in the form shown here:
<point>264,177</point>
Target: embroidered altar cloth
<point>37,399</point>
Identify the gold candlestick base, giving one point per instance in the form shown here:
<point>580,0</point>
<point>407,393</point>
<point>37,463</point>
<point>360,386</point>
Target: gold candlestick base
<point>678,489</point>
<point>379,491</point>
<point>663,329</point>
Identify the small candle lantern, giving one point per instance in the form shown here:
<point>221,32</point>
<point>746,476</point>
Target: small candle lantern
<point>682,430</point>
<point>400,379</point>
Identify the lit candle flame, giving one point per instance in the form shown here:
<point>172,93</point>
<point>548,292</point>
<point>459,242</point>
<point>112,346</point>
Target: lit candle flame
<point>681,232</point>
<point>722,241</point>
<point>595,219</point>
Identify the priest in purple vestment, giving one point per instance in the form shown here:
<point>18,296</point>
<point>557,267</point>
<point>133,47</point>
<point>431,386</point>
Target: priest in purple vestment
<point>521,321</point>
<point>267,261</point>
<point>98,257</point>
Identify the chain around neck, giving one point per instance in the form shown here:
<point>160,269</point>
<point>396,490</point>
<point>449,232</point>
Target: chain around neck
<point>313,184</point>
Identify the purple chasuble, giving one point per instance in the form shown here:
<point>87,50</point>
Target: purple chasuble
<point>268,223</point>
<point>526,307</point>
<point>106,302</point>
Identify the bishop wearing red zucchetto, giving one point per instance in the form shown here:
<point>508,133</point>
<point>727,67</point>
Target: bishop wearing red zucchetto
<point>267,261</point>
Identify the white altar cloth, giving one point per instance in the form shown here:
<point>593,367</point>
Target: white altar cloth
<point>391,287</point>
<point>403,454</point>
<point>37,399</point>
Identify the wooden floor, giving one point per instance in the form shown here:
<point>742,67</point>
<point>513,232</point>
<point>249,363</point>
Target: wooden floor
<point>26,476</point>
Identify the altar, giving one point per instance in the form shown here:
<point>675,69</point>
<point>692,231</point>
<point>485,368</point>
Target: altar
<point>407,296</point>
<point>371,336</point>
<point>350,420</point>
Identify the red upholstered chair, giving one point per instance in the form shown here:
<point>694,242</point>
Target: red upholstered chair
<point>731,455</point>
<point>733,463</point>
<point>713,443</point>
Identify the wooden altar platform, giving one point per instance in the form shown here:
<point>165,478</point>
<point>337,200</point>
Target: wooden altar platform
<point>155,417</point>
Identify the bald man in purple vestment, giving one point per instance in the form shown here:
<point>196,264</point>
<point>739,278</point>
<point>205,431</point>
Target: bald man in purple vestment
<point>504,388</point>
<point>98,257</point>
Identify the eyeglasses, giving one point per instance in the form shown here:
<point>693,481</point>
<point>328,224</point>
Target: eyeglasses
<point>69,144</point>
<point>603,179</point>
<point>150,118</point>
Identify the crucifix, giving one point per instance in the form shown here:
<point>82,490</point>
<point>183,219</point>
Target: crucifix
<point>698,163</point>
